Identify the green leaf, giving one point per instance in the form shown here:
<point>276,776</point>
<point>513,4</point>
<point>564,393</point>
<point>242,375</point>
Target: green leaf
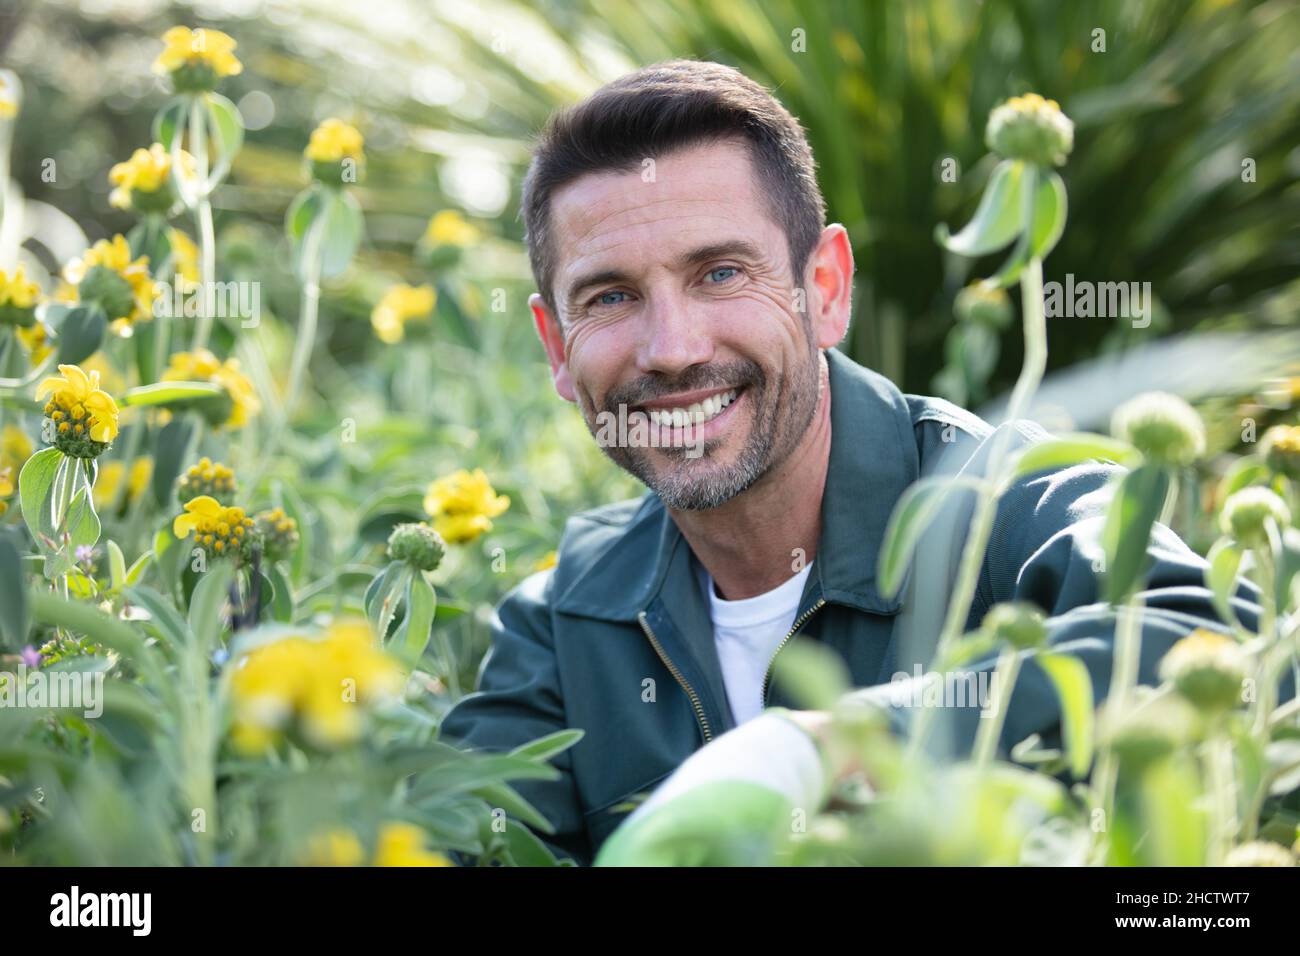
<point>173,441</point>
<point>382,593</point>
<point>916,508</point>
<point>1222,564</point>
<point>998,218</point>
<point>1133,511</point>
<point>1048,218</point>
<point>282,599</point>
<point>116,564</point>
<point>1243,473</point>
<point>171,393</point>
<point>169,121</point>
<point>343,225</point>
<point>205,618</point>
<point>412,637</point>
<point>1073,686</point>
<point>544,748</point>
<point>83,524</point>
<point>1073,449</point>
<point>811,675</point>
<point>165,617</point>
<point>35,485</point>
<point>227,127</point>
<point>501,795</point>
<point>81,334</point>
<point>15,621</point>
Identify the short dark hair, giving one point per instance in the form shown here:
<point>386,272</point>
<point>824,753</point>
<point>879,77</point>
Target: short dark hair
<point>654,111</point>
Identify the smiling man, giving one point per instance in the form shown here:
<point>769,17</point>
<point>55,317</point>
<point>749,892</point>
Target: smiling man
<point>688,282</point>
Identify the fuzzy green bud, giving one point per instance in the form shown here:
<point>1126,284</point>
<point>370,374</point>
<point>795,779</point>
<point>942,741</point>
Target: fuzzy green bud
<point>980,304</point>
<point>1031,129</point>
<point>418,545</point>
<point>1163,427</point>
<point>1246,514</point>
<point>1018,623</point>
<point>1207,669</point>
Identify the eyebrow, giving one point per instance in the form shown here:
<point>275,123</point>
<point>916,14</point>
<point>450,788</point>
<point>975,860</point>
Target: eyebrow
<point>738,248</point>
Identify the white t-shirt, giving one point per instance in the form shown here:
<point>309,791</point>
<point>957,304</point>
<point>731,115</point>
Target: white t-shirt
<point>747,634</point>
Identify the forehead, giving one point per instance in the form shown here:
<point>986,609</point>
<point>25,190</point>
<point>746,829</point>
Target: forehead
<point>631,219</point>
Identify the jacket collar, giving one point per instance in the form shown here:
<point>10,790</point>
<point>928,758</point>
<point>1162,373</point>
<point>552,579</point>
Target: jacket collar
<point>873,459</point>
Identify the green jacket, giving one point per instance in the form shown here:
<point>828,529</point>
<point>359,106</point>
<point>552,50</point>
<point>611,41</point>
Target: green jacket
<point>616,638</point>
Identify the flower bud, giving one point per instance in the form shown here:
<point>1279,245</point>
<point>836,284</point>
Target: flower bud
<point>1018,623</point>
<point>1152,729</point>
<point>279,533</point>
<point>1032,129</point>
<point>418,545</point>
<point>1246,513</point>
<point>206,478</point>
<point>1162,427</point>
<point>1280,447</point>
<point>1207,668</point>
<point>1260,853</point>
<point>983,305</point>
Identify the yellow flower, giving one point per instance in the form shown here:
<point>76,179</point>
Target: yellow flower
<point>110,479</point>
<point>548,560</point>
<point>319,684</point>
<point>143,181</point>
<point>80,410</point>
<point>207,51</point>
<point>18,291</point>
<point>15,447</point>
<point>337,847</point>
<point>333,141</point>
<point>218,529</point>
<point>202,366</point>
<point>106,275</point>
<point>462,504</point>
<point>400,844</point>
<point>401,304</point>
<point>36,340</point>
<point>449,228</point>
<point>185,255</point>
<point>6,487</point>
<point>8,95</point>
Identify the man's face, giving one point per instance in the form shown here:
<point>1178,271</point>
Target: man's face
<point>676,300</point>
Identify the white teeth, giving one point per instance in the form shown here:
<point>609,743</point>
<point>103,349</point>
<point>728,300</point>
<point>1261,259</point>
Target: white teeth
<point>696,414</point>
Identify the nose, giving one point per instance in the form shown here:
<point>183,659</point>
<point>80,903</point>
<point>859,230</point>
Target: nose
<point>674,336</point>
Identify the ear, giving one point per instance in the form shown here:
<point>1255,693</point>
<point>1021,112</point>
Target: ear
<point>831,268</point>
<point>548,330</point>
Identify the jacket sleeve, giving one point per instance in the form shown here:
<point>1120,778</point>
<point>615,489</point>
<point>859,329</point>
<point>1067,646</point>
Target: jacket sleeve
<point>1046,548</point>
<point>519,700</point>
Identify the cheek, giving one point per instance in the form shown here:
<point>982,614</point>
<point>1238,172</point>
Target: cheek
<point>596,358</point>
<point>759,318</point>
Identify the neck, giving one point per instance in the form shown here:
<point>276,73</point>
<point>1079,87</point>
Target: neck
<point>762,537</point>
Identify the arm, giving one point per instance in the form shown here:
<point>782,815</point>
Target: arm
<point>518,700</point>
<point>1046,548</point>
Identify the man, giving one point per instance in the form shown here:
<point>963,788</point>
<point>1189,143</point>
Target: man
<point>687,280</point>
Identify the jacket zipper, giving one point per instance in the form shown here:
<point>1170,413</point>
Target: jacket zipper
<point>677,675</point>
<point>767,675</point>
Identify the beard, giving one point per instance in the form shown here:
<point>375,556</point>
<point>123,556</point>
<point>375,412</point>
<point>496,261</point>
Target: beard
<point>781,407</point>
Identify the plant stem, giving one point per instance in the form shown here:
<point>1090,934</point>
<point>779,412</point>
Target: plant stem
<point>203,214</point>
<point>990,728</point>
<point>972,558</point>
<point>305,339</point>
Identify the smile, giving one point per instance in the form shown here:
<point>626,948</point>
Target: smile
<point>697,413</point>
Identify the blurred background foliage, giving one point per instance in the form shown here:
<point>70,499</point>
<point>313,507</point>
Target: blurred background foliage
<point>1169,98</point>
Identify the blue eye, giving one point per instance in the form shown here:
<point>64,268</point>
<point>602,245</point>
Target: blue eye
<point>604,298</point>
<point>730,270</point>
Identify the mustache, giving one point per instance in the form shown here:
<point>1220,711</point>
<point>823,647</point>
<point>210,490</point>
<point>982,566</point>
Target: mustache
<point>738,374</point>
